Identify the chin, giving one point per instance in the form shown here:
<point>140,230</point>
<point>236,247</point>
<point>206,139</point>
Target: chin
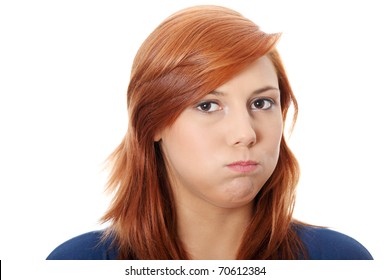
<point>234,204</point>
<point>237,200</point>
<point>242,190</point>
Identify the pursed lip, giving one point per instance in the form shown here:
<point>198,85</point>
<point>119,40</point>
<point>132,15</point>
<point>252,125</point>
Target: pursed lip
<point>243,166</point>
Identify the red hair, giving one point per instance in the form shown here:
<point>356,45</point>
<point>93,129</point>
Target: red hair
<point>191,53</point>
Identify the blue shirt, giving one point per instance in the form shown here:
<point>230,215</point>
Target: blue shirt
<point>320,243</point>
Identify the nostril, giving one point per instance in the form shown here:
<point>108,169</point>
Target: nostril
<point>247,139</point>
<point>241,129</point>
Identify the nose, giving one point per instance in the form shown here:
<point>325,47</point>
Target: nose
<point>241,130</point>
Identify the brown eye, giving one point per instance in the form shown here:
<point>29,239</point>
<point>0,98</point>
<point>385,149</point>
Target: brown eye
<point>262,104</point>
<point>208,107</point>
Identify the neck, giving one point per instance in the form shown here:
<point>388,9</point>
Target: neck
<point>212,232</point>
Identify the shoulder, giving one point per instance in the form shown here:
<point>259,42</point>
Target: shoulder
<point>326,244</point>
<point>88,246</point>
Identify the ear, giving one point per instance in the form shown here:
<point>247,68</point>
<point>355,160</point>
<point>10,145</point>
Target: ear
<point>157,137</point>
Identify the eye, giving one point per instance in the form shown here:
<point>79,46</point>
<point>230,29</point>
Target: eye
<point>208,107</point>
<point>262,104</point>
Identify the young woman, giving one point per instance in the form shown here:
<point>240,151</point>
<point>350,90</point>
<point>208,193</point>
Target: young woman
<point>204,171</point>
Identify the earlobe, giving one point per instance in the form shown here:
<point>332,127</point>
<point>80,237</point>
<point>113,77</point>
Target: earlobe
<point>159,134</point>
<point>157,137</point>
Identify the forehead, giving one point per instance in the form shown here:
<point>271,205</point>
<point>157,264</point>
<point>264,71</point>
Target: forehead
<point>260,73</point>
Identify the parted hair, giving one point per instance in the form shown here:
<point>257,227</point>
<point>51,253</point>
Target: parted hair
<point>187,56</point>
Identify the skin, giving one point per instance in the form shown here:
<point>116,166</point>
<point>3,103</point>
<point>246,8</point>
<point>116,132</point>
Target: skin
<point>239,121</point>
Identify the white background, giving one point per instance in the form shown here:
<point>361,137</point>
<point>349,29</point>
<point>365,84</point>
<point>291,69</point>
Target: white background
<point>64,71</point>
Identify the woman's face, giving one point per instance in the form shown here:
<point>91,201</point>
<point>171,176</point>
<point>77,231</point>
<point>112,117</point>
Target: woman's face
<point>222,150</point>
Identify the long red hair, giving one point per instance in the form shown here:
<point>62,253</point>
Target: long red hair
<point>190,54</point>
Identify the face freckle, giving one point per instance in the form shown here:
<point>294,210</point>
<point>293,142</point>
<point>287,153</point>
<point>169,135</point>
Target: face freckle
<point>223,157</point>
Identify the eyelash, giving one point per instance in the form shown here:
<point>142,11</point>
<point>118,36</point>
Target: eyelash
<point>269,100</point>
<point>208,103</point>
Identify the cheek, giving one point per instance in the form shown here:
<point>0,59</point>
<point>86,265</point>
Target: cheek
<point>270,139</point>
<point>275,138</point>
<point>189,145</point>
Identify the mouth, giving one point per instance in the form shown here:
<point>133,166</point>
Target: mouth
<point>243,166</point>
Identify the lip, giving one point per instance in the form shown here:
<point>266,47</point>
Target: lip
<point>243,166</point>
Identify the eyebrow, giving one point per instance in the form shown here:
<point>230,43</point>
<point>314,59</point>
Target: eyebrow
<point>257,91</point>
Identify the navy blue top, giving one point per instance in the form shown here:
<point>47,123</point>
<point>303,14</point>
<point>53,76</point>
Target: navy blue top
<point>320,243</point>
